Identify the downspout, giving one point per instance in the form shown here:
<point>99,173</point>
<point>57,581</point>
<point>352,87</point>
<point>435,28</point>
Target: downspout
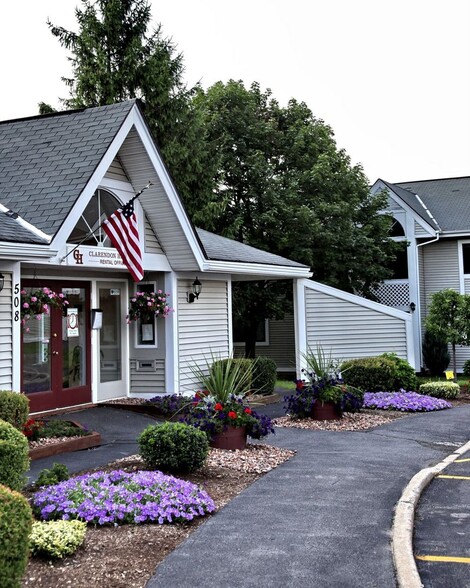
<point>436,238</point>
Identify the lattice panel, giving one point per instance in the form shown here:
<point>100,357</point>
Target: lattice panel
<point>395,294</point>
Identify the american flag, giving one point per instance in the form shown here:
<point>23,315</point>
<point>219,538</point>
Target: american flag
<point>121,228</point>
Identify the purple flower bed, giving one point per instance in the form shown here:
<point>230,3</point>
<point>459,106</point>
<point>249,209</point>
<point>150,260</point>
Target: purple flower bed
<point>404,401</point>
<point>118,497</point>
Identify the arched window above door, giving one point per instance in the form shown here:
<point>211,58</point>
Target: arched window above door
<point>397,229</point>
<point>88,230</point>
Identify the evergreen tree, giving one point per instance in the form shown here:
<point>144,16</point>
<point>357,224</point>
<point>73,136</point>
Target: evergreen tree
<point>115,58</point>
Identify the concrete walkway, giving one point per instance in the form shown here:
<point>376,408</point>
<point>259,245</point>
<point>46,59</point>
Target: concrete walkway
<point>322,519</point>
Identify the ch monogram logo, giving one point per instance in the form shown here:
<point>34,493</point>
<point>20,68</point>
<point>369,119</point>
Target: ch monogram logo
<point>78,257</point>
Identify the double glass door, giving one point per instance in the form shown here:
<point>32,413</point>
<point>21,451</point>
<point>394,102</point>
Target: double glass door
<point>56,349</point>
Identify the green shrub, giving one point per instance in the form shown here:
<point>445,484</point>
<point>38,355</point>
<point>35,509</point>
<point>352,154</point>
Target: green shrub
<point>173,447</point>
<point>59,428</point>
<point>447,390</point>
<point>14,408</point>
<point>370,374</point>
<point>58,473</point>
<point>56,539</point>
<point>15,526</point>
<point>436,354</point>
<point>14,456</point>
<point>466,368</point>
<point>264,375</point>
<point>405,375</point>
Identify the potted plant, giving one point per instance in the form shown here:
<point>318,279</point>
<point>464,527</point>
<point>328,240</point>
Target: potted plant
<point>35,303</point>
<point>220,408</point>
<point>145,306</point>
<point>323,395</point>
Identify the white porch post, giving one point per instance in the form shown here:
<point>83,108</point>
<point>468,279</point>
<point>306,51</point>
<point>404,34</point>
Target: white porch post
<point>299,324</point>
<point>16,327</point>
<point>172,381</point>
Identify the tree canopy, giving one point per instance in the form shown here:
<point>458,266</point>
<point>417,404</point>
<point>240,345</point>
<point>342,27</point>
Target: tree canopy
<point>285,187</point>
<point>247,168</point>
<point>288,189</point>
<point>114,58</point>
<point>449,319</point>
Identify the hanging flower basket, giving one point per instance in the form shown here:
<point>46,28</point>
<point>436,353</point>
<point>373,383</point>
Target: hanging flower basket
<point>145,306</point>
<point>35,303</point>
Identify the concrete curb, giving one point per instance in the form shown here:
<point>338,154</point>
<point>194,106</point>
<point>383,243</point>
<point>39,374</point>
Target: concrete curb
<point>403,522</point>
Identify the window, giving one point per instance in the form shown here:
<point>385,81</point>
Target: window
<point>397,229</point>
<point>466,258</point>
<point>88,229</point>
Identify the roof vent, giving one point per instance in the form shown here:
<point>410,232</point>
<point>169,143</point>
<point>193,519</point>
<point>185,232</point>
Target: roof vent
<point>11,214</point>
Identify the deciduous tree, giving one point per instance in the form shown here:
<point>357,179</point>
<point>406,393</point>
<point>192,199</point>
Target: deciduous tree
<point>449,318</point>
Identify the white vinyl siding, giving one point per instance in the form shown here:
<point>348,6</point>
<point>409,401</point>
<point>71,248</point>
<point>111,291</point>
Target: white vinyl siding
<point>441,268</point>
<point>6,330</point>
<point>116,172</point>
<point>351,330</point>
<point>148,381</point>
<point>156,203</point>
<point>151,242</point>
<point>420,232</point>
<point>203,328</point>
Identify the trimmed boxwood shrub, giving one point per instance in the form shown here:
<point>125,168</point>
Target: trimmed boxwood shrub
<point>14,456</point>
<point>14,408</point>
<point>173,447</point>
<point>370,374</point>
<point>447,390</point>
<point>374,374</point>
<point>15,526</point>
<point>405,375</point>
<point>56,539</point>
<point>264,375</point>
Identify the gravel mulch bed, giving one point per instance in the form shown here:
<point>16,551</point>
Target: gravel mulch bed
<point>358,421</point>
<point>45,441</point>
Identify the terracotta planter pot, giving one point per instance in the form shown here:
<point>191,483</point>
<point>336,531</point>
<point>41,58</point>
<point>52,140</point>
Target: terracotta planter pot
<point>326,411</point>
<point>232,438</point>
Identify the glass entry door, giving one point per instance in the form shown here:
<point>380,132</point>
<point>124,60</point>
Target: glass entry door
<point>56,350</point>
<point>112,366</point>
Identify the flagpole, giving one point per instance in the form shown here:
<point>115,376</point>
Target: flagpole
<point>101,224</point>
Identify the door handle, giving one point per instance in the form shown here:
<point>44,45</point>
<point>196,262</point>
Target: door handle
<point>55,353</point>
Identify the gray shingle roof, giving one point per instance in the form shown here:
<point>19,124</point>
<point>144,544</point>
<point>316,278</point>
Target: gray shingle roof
<point>46,161</point>
<point>448,200</point>
<point>223,249</point>
<point>12,231</point>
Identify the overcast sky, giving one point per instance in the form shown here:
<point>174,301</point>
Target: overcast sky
<point>392,79</point>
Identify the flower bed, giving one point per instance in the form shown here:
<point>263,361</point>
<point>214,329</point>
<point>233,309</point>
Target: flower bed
<point>53,437</point>
<point>404,401</point>
<point>118,497</point>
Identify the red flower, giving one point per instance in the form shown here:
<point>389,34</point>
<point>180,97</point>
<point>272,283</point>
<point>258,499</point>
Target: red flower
<point>218,406</point>
<point>247,410</point>
<point>232,415</point>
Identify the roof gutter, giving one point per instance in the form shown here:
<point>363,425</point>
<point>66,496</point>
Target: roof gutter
<point>256,269</point>
<point>19,252</point>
